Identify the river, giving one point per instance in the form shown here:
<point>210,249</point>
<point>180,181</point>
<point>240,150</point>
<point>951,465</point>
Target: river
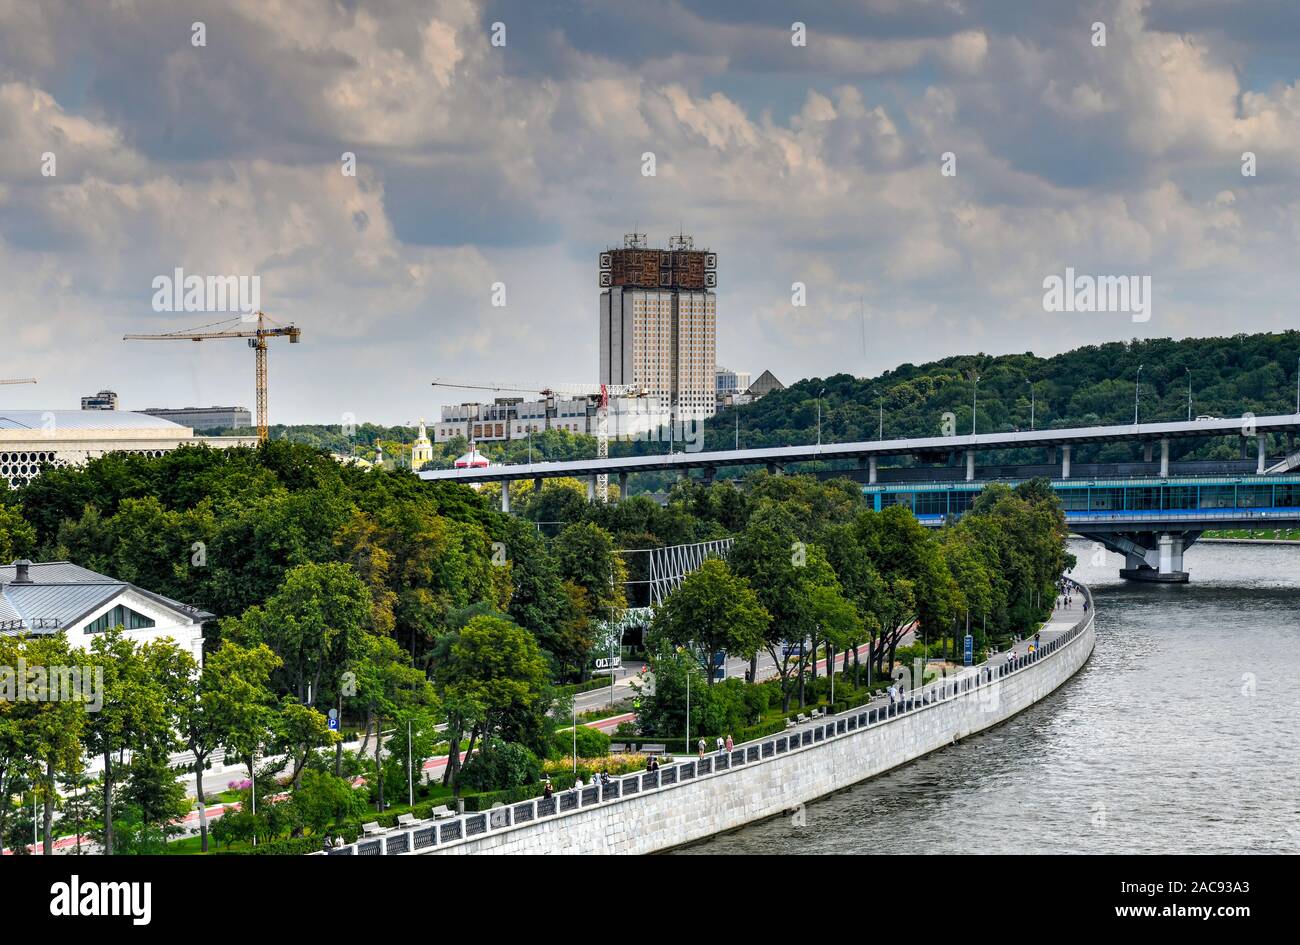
<point>1180,735</point>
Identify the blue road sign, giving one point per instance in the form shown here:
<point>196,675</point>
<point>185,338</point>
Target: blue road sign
<point>334,725</point>
<point>968,649</point>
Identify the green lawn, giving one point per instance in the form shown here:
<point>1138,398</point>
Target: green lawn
<point>1273,534</point>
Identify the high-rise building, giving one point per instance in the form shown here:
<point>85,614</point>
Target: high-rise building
<point>104,400</point>
<point>729,383</point>
<point>658,322</point>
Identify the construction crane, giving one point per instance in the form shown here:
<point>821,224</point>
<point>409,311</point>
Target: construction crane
<point>602,393</point>
<point>266,328</point>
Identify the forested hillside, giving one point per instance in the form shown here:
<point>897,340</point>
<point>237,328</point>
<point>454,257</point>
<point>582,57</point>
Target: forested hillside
<point>1089,385</point>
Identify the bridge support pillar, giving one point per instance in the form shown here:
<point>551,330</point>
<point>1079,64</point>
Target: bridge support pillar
<point>682,474</point>
<point>775,469</point>
<point>1051,456</point>
<point>710,473</point>
<point>873,470</point>
<point>622,486</point>
<point>970,465</point>
<point>1149,556</point>
<point>1147,450</point>
<point>537,484</point>
<point>591,488</point>
<point>1259,455</point>
<point>1164,458</point>
<point>1065,461</point>
<point>505,496</point>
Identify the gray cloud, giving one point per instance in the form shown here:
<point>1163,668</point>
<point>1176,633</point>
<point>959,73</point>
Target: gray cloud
<point>479,165</point>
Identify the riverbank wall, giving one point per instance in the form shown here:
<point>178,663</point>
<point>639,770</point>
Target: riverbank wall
<point>649,812</point>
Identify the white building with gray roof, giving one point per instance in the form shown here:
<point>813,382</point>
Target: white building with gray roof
<point>54,596</point>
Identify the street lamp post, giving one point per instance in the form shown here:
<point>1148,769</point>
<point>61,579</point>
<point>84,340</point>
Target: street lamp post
<point>1137,394</point>
<point>688,698</point>
<point>819,415</point>
<point>1032,399</point>
<point>974,404</point>
<point>1189,393</point>
<point>880,430</point>
<point>410,776</point>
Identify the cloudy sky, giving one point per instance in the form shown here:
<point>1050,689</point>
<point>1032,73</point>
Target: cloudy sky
<point>478,164</point>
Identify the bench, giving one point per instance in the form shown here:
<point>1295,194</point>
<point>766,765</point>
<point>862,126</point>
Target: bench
<point>442,813</point>
<point>617,748</point>
<point>801,718</point>
<point>372,829</point>
<point>654,749</point>
<point>790,723</point>
<point>407,820</point>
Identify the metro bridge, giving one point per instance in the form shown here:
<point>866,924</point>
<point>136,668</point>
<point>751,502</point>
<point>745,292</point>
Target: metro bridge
<point>1150,520</point>
<point>1149,511</point>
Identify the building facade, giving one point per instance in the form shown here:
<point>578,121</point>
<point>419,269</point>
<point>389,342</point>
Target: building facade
<point>513,418</point>
<point>205,418</point>
<point>658,323</point>
<point>30,439</point>
<point>59,596</point>
<point>104,400</point>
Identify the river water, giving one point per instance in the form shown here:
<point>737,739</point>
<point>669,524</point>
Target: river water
<point>1180,735</point>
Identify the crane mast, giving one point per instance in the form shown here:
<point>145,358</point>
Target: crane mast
<point>266,328</point>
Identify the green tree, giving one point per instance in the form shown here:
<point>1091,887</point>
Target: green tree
<point>493,669</point>
<point>316,623</point>
<point>231,694</point>
<point>135,714</point>
<point>713,610</point>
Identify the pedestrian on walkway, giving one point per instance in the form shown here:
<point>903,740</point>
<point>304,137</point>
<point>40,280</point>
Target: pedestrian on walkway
<point>721,745</point>
<point>1038,639</point>
<point>547,789</point>
<point>701,749</point>
<point>730,743</point>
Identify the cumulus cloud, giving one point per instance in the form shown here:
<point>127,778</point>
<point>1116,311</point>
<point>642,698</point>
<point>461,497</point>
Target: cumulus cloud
<point>479,164</point>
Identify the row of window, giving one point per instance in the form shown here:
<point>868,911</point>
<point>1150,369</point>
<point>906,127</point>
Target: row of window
<point>119,616</point>
<point>1136,498</point>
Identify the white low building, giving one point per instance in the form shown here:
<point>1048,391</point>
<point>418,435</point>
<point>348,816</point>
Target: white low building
<point>54,596</point>
<point>30,439</point>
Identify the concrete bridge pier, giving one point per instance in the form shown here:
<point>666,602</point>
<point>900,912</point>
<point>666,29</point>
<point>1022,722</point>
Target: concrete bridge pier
<point>1150,556</point>
<point>1065,461</point>
<point>1164,459</point>
<point>873,469</point>
<point>1262,440</point>
<point>1147,449</point>
<point>591,488</point>
<point>970,465</point>
<point>775,469</point>
<point>710,473</point>
<point>537,484</point>
<point>622,486</point>
<point>505,496</point>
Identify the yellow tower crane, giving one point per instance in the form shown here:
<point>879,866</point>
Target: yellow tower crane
<point>266,328</point>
